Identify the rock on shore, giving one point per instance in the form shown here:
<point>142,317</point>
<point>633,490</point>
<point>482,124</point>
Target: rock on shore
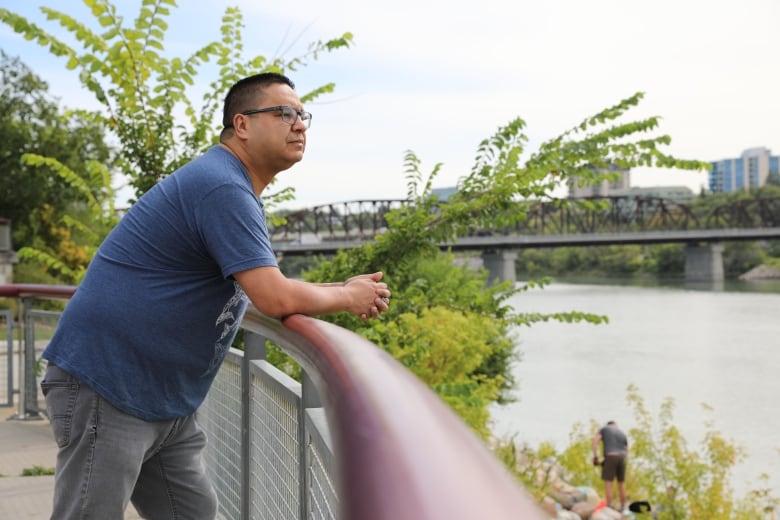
<point>761,272</point>
<point>562,500</point>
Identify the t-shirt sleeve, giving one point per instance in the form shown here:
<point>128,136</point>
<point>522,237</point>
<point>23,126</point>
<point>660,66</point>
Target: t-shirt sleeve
<point>232,223</point>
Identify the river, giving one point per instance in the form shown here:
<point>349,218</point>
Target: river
<point>719,347</point>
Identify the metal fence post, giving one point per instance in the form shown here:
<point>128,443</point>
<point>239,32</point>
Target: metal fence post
<point>9,326</point>
<point>28,393</point>
<point>254,348</point>
<point>310,398</point>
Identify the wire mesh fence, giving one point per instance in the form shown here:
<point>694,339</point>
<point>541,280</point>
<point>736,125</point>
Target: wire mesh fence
<point>263,462</point>
<point>258,449</point>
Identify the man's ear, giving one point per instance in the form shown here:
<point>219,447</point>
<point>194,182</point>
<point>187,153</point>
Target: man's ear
<point>240,124</point>
<point>238,120</point>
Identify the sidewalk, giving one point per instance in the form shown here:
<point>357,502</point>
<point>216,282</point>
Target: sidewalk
<point>24,444</point>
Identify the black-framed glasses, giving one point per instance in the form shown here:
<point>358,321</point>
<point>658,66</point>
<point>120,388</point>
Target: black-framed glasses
<point>289,114</point>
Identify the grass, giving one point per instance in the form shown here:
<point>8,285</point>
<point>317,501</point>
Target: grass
<point>37,471</point>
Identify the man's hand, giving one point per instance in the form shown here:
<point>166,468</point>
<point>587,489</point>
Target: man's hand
<point>381,296</point>
<point>596,460</point>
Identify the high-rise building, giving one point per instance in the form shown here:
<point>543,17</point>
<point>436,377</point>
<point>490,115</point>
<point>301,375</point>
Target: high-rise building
<point>750,170</point>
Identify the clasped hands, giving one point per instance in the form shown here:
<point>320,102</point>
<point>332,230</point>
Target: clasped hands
<point>379,300</point>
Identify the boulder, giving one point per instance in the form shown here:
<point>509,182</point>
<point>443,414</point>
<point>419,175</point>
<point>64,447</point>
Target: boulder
<point>550,507</point>
<point>584,509</point>
<point>606,513</point>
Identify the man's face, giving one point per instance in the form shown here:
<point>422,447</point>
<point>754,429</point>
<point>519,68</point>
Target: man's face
<point>272,143</point>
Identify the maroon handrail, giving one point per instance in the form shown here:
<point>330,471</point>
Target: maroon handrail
<point>43,291</point>
<point>401,451</point>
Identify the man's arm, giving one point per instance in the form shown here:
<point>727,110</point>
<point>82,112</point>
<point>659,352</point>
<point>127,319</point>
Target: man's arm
<point>340,284</point>
<point>277,296</point>
<point>595,446</point>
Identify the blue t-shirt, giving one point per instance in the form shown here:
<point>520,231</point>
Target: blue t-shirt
<point>151,322</point>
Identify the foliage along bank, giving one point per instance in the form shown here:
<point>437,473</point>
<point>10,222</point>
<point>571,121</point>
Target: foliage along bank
<point>666,261</point>
<point>680,479</point>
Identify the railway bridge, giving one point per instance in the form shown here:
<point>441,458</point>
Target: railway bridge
<point>328,228</point>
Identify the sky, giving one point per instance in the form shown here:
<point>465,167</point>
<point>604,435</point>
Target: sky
<point>438,77</point>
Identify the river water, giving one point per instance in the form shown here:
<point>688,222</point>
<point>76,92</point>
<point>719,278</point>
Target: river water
<point>718,347</point>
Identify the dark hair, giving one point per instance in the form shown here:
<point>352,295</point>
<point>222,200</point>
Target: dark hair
<point>244,94</point>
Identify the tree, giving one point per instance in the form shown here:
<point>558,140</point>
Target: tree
<point>37,194</point>
<point>142,90</point>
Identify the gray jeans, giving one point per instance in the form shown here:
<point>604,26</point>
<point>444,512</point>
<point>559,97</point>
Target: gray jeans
<point>107,458</point>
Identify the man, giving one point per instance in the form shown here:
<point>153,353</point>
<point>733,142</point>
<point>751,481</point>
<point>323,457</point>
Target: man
<point>615,447</point>
<point>138,346</point>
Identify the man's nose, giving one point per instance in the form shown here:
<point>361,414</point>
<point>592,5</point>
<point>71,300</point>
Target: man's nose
<point>299,123</point>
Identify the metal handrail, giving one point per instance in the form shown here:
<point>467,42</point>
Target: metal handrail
<point>399,450</point>
<point>27,402</point>
<point>19,290</point>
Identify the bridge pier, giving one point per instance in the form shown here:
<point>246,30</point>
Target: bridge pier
<point>704,263</point>
<point>500,264</point>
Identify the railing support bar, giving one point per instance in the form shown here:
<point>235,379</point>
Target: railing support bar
<point>310,398</point>
<point>9,325</point>
<point>28,394</point>
<point>254,348</point>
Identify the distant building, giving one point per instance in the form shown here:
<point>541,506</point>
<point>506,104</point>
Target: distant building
<point>602,189</point>
<point>621,187</point>
<point>444,193</point>
<point>751,170</point>
<point>680,194</point>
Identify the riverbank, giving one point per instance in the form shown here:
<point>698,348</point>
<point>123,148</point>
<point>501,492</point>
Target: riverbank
<point>762,285</point>
<point>712,352</point>
<point>761,272</point>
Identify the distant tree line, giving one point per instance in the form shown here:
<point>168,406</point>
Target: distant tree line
<point>652,260</point>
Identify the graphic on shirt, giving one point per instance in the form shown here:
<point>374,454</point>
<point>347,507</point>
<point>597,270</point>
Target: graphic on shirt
<point>229,319</point>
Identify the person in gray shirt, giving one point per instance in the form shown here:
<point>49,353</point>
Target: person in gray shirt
<point>615,447</point>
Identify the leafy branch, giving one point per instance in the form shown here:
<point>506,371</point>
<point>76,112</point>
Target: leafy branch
<point>144,92</point>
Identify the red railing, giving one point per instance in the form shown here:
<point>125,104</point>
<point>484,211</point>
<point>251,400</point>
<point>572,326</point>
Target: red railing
<point>400,451</point>
<point>21,290</point>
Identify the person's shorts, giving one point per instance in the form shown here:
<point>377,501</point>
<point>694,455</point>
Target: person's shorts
<point>614,467</point>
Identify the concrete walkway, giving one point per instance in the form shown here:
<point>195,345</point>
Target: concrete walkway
<point>23,445</point>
